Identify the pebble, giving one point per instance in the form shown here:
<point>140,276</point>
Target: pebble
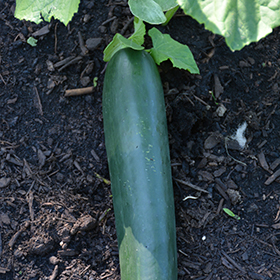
<point>93,43</point>
<point>4,182</point>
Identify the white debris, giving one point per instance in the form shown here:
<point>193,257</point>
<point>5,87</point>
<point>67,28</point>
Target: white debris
<point>239,135</point>
<point>221,110</point>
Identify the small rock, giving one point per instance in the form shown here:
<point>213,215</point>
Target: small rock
<point>5,218</point>
<point>221,110</point>
<point>84,223</point>
<point>253,208</point>
<point>18,253</point>
<point>50,66</point>
<point>54,260</point>
<point>234,196</point>
<point>4,182</point>
<point>50,84</point>
<point>59,177</point>
<point>245,256</point>
<point>243,63</point>
<point>102,29</point>
<point>114,26</point>
<point>87,18</point>
<point>85,81</point>
<point>251,60</point>
<point>93,43</point>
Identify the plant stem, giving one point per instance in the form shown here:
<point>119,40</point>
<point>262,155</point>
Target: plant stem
<point>169,14</point>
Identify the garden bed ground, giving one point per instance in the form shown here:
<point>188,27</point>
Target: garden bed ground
<point>56,212</point>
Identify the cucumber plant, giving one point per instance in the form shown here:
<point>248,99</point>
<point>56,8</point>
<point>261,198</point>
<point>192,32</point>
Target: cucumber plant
<point>134,116</point>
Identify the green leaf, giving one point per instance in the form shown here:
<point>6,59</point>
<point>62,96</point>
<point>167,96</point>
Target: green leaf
<point>32,41</point>
<point>37,10</point>
<point>95,79</point>
<point>164,47</point>
<point>139,32</point>
<point>134,41</point>
<point>147,10</point>
<point>166,4</point>
<point>240,22</point>
<point>119,42</point>
<point>231,214</point>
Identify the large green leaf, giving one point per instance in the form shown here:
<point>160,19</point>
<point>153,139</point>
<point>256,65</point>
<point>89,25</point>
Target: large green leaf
<point>119,42</point>
<point>139,31</point>
<point>239,21</point>
<point>134,41</point>
<point>37,10</point>
<point>166,4</point>
<point>151,11</point>
<point>164,47</point>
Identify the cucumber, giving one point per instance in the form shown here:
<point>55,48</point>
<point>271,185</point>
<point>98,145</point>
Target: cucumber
<point>136,140</point>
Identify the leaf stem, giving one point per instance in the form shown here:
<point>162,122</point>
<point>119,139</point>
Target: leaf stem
<point>169,14</point>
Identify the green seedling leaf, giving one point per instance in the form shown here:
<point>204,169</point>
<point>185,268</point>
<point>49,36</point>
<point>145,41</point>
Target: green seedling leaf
<point>95,79</point>
<point>32,41</point>
<point>147,10</point>
<point>102,216</point>
<point>231,214</point>
<point>106,181</point>
<point>151,11</point>
<point>214,98</point>
<point>134,41</point>
<point>164,48</point>
<point>240,22</point>
<point>166,4</point>
<point>38,10</point>
<point>139,31</point>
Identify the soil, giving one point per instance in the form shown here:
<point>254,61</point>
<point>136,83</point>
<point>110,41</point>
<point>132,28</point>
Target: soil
<point>56,212</point>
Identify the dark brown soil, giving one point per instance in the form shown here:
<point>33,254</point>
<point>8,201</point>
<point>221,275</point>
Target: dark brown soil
<point>56,212</point>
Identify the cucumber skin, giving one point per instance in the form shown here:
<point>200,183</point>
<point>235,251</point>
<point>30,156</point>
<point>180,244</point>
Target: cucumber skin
<point>136,140</point>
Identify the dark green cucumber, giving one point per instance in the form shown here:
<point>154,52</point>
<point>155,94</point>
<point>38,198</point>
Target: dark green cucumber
<point>137,147</point>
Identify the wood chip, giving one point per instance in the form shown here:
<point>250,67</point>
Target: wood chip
<point>231,185</point>
<point>41,32</point>
<point>213,140</point>
<point>78,91</point>
<point>233,262</point>
<point>94,154</point>
<point>37,101</point>
<point>276,226</point>
<point>220,171</point>
<point>218,86</point>
<point>41,158</point>
<point>189,184</point>
<point>272,178</point>
<point>54,273</point>
<point>274,164</point>
<point>221,189</point>
<point>67,252</point>
<point>4,270</point>
<point>18,233</point>
<point>206,176</point>
<point>263,161</point>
